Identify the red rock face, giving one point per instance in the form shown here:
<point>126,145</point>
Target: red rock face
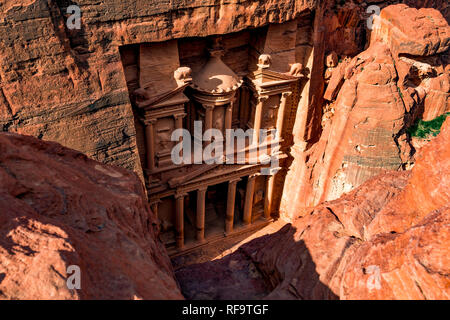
<point>428,190</point>
<point>419,47</point>
<point>57,209</point>
<point>388,239</point>
<point>371,100</point>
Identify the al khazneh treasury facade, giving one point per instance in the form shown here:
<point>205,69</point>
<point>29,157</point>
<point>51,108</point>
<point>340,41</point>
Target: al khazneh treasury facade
<point>226,82</point>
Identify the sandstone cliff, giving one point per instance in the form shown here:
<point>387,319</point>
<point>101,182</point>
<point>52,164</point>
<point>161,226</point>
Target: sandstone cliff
<point>370,102</point>
<point>57,209</point>
<point>388,239</point>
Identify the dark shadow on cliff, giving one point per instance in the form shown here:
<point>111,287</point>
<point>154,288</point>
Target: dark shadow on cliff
<point>258,270</point>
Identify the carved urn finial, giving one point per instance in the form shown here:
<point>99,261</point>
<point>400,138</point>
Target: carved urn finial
<point>216,77</point>
<point>264,61</point>
<point>332,60</point>
<point>183,76</point>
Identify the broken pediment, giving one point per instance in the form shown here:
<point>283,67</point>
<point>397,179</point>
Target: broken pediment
<point>198,174</point>
<point>266,77</point>
<point>143,98</point>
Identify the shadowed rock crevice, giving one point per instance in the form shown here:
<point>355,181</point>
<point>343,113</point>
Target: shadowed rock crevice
<point>243,275</point>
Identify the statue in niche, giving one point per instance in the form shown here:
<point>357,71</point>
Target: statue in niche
<point>140,95</point>
<point>163,136</point>
<point>271,116</point>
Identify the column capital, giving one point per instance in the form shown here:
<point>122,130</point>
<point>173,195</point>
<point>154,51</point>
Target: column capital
<point>208,106</point>
<point>286,94</point>
<point>180,194</point>
<point>202,188</point>
<point>234,181</point>
<point>148,121</point>
<point>179,115</point>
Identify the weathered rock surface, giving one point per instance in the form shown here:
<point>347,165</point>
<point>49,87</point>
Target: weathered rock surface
<point>426,33</point>
<point>372,100</point>
<point>58,208</point>
<point>420,48</point>
<point>388,239</point>
<point>428,189</point>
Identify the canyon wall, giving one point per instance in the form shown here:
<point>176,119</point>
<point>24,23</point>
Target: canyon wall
<point>364,90</point>
<point>58,209</point>
<point>369,103</point>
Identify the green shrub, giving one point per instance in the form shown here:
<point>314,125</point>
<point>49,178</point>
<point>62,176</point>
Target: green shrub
<point>425,129</point>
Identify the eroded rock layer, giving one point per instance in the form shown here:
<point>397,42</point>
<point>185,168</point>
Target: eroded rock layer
<point>386,239</point>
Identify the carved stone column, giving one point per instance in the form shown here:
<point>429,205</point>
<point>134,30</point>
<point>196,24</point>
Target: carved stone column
<point>150,142</point>
<point>228,116</point>
<point>248,205</point>
<point>208,116</point>
<point>179,220</point>
<point>231,200</point>
<point>281,111</point>
<point>179,120</point>
<point>179,125</point>
<point>258,118</point>
<point>269,196</point>
<point>200,219</point>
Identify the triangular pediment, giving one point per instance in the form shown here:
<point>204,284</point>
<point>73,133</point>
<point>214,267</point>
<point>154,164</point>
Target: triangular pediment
<point>161,99</point>
<point>266,75</point>
<point>206,172</point>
